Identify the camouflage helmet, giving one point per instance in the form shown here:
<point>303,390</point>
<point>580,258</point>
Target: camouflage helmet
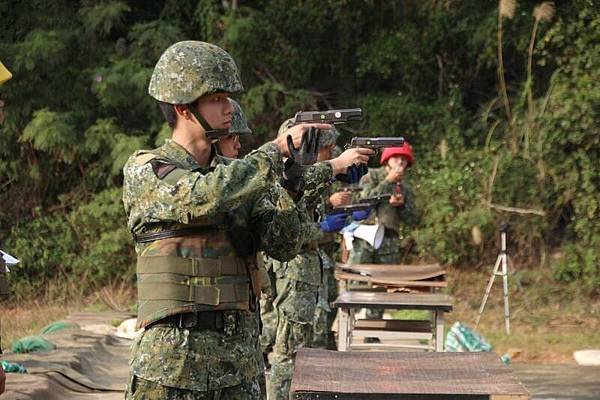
<point>239,125</point>
<point>191,69</point>
<point>327,137</point>
<point>337,151</point>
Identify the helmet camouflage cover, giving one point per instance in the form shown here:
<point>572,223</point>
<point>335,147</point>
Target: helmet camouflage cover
<point>239,125</point>
<point>327,137</point>
<point>191,69</point>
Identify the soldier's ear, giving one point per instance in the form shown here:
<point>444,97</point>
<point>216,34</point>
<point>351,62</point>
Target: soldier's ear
<point>182,111</point>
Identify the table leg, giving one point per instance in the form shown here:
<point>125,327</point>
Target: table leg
<point>439,331</point>
<point>343,330</point>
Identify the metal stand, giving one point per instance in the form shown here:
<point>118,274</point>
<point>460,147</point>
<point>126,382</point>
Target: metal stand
<point>502,266</point>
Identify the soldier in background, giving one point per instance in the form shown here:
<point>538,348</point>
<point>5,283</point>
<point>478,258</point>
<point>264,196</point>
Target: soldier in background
<point>229,146</point>
<point>397,215</point>
<point>300,284</point>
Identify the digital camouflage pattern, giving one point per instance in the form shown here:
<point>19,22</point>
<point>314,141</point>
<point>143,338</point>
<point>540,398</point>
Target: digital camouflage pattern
<point>190,69</point>
<point>148,390</point>
<point>324,314</point>
<point>397,222</point>
<point>200,359</point>
<point>374,183</point>
<point>297,283</point>
<point>297,291</point>
<point>239,126</point>
<point>243,191</point>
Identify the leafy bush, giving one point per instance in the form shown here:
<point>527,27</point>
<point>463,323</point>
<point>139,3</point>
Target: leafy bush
<point>78,106</point>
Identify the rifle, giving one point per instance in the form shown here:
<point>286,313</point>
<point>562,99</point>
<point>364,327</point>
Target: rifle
<point>329,116</point>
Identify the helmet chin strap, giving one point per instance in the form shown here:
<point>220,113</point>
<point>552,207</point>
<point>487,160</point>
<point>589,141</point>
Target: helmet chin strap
<point>210,132</point>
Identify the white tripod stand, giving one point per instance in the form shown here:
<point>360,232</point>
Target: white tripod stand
<point>502,266</point>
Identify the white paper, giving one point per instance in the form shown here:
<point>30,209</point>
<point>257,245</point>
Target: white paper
<point>8,259</point>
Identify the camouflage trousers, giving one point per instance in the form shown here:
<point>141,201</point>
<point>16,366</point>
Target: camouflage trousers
<point>141,389</point>
<point>295,303</point>
<point>268,316</point>
<point>364,253</point>
<point>324,315</point>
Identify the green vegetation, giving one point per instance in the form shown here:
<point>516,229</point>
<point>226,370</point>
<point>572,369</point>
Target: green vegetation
<point>524,134</point>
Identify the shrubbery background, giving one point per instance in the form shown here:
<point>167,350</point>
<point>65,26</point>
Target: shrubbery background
<point>78,106</point>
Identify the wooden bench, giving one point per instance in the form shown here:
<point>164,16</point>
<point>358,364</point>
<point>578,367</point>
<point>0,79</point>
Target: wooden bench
<point>430,331</point>
<point>328,375</point>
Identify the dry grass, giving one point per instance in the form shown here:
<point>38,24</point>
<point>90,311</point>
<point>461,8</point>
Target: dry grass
<point>24,319</point>
<point>548,321</point>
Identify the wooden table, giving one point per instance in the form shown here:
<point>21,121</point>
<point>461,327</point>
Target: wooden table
<point>324,375</point>
<point>433,330</point>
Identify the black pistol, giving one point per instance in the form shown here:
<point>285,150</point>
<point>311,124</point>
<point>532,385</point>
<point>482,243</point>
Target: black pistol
<point>329,116</point>
<point>376,143</point>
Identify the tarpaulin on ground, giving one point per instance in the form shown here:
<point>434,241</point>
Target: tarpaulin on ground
<point>84,365</point>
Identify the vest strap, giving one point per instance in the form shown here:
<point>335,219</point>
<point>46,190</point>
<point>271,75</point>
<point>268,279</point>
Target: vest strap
<point>202,267</point>
<point>199,294</point>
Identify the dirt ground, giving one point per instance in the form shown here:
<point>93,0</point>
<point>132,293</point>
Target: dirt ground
<point>548,321</point>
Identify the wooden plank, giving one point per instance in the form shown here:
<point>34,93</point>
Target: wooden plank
<point>400,271</point>
<point>388,280</point>
<point>390,346</point>
<point>365,375</point>
<point>393,325</point>
<point>397,301</point>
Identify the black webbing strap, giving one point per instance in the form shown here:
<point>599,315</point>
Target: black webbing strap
<point>195,230</point>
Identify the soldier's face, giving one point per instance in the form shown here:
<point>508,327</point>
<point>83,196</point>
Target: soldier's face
<point>397,162</point>
<point>216,110</point>
<point>230,146</point>
<point>325,153</point>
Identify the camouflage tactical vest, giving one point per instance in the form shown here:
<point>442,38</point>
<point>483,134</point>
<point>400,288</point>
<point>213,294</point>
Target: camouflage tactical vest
<point>197,271</point>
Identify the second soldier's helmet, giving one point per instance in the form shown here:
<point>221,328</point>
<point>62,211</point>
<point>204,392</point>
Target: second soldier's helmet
<point>327,137</point>
<point>190,69</point>
<point>239,126</point>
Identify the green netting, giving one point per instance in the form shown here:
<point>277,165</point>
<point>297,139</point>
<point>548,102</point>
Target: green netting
<point>58,326</point>
<point>13,367</point>
<point>462,338</point>
<point>31,344</point>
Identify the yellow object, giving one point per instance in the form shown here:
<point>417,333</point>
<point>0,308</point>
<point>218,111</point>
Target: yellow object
<point>5,74</point>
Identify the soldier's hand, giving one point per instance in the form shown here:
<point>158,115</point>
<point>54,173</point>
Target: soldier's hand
<point>308,151</point>
<point>350,157</point>
<point>340,199</point>
<point>397,200</point>
<point>395,174</point>
<point>296,133</point>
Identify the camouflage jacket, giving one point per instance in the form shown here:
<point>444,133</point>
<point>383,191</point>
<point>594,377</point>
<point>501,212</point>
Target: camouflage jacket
<point>243,189</point>
<point>306,267</point>
<point>395,218</point>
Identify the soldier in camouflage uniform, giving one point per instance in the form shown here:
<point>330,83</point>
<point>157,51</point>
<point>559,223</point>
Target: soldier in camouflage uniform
<point>229,146</point>
<point>397,215</point>
<point>198,220</point>
<point>300,285</point>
